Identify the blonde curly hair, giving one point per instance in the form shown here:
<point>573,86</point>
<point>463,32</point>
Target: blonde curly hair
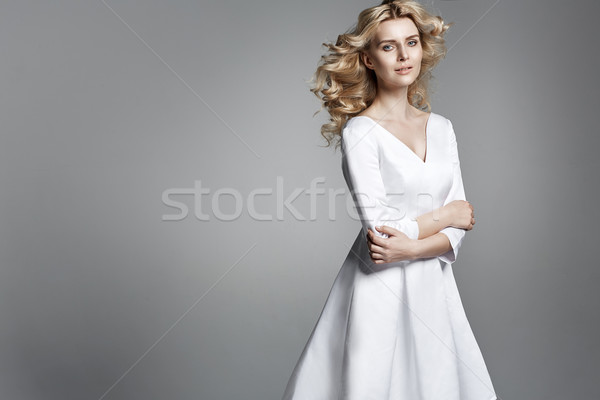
<point>345,86</point>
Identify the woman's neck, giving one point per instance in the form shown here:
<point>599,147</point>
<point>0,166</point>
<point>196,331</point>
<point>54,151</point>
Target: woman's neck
<point>392,105</point>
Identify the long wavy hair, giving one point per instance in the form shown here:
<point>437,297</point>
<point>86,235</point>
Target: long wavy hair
<point>345,86</point>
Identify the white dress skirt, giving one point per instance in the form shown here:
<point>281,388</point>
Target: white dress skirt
<point>395,331</point>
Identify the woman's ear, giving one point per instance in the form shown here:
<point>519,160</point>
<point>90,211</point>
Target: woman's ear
<point>366,59</point>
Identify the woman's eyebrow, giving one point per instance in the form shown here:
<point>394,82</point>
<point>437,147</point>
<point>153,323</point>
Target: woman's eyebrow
<point>392,40</point>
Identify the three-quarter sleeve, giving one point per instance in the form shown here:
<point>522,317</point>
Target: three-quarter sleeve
<point>457,192</point>
<point>360,166</point>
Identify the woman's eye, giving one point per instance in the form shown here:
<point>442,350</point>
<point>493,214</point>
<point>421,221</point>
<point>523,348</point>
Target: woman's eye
<point>413,41</point>
<point>387,47</point>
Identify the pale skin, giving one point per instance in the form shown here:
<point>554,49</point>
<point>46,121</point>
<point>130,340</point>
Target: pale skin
<point>396,44</point>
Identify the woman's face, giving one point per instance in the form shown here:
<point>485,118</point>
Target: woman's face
<point>396,45</point>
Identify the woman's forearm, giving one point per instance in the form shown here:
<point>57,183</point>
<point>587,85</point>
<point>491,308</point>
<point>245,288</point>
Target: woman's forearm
<point>431,242</point>
<point>399,247</point>
<point>433,222</point>
<point>432,246</point>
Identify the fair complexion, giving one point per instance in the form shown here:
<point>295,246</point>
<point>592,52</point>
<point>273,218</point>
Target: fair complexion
<point>399,247</point>
<point>395,54</point>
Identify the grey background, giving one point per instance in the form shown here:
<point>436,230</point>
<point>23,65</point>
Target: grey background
<point>106,105</point>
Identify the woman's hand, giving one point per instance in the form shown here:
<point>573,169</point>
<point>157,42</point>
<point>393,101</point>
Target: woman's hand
<point>461,214</point>
<point>396,247</point>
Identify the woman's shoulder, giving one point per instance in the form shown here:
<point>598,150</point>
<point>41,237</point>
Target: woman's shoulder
<point>442,125</point>
<point>439,119</point>
<point>359,132</point>
<point>443,129</point>
<point>358,126</point>
<point>358,122</point>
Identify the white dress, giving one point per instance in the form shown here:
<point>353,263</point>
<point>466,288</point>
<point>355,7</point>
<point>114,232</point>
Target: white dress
<point>395,331</point>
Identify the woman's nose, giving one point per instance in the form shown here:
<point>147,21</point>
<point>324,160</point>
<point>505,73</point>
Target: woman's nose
<point>402,54</point>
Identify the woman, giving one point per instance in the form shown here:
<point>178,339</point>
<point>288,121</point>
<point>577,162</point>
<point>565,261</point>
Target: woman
<point>393,326</point>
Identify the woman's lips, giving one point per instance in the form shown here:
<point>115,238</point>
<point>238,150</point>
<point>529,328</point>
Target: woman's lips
<point>403,71</point>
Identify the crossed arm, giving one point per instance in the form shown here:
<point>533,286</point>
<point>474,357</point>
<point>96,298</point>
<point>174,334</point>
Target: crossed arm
<point>438,233</point>
<point>430,243</point>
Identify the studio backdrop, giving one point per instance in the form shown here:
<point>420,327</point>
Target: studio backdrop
<point>171,222</point>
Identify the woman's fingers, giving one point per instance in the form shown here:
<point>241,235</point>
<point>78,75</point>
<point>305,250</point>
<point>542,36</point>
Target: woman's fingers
<point>471,224</point>
<point>375,239</point>
<point>389,230</point>
<point>374,249</point>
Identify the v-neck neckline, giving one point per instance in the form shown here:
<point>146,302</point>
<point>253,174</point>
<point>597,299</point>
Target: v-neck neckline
<point>404,144</point>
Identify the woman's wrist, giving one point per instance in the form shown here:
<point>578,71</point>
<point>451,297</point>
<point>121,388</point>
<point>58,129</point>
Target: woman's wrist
<point>446,216</point>
<point>416,249</point>
<point>432,246</point>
